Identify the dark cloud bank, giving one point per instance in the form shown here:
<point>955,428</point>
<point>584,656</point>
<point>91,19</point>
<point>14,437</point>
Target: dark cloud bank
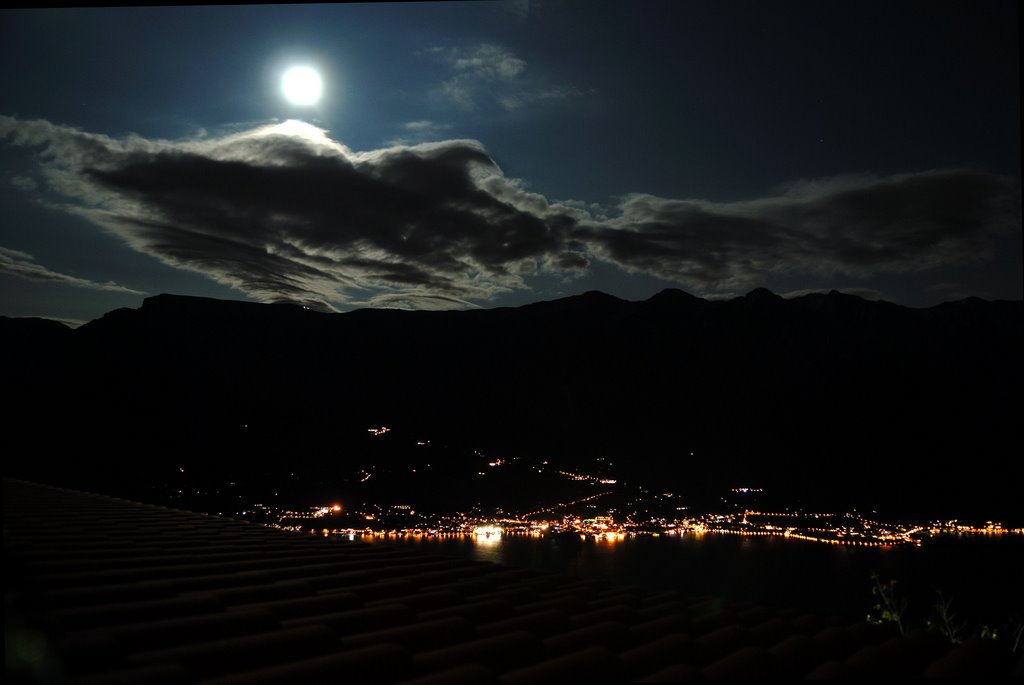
<point>284,213</point>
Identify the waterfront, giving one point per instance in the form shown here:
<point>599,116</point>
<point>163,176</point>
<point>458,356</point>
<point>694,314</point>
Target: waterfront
<point>982,574</point>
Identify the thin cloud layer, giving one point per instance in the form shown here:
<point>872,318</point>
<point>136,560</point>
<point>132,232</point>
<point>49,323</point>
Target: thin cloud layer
<point>420,131</point>
<point>851,226</point>
<point>490,73</point>
<point>285,213</point>
<point>476,71</point>
<point>24,265</point>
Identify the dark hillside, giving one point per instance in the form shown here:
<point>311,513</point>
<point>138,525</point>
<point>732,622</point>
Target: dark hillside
<point>828,395</point>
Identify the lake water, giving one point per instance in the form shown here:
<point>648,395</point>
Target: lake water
<point>982,574</point>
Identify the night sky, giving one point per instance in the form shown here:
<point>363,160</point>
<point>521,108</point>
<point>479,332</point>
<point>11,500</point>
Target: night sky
<point>490,154</point>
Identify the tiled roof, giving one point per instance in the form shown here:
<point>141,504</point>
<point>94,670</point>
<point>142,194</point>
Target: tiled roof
<point>103,590</point>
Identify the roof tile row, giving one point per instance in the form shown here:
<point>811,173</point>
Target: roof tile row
<point>134,593</point>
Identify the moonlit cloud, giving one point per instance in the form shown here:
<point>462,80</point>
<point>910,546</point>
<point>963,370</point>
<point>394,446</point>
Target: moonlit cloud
<point>852,226</point>
<point>423,125</point>
<point>490,73</point>
<point>24,183</point>
<point>419,131</point>
<point>476,72</point>
<point>24,265</point>
<point>522,98</point>
<point>519,8</point>
<point>285,213</point>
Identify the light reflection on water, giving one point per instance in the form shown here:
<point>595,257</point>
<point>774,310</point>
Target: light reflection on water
<point>486,547</point>
<point>983,574</point>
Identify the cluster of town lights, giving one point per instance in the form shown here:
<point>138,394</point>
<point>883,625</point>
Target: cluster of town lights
<point>857,532</point>
<point>853,529</point>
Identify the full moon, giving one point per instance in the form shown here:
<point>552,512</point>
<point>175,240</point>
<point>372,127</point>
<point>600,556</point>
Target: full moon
<point>302,86</point>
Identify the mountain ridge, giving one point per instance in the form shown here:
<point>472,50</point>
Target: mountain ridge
<point>816,300</point>
<point>903,403</point>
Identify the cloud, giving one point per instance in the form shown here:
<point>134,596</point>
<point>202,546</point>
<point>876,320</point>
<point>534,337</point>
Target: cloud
<point>284,213</point>
<point>490,73</point>
<point>475,71</point>
<point>24,183</point>
<point>424,125</point>
<point>487,62</point>
<point>419,131</point>
<point>522,98</point>
<point>422,299</point>
<point>852,226</point>
<point>23,265</point>
<point>519,8</point>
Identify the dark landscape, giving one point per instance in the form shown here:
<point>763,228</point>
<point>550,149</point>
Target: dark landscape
<point>829,399</point>
<point>585,428</point>
<point>512,342</point>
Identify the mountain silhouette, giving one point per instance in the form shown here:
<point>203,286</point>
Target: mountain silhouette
<point>826,395</point>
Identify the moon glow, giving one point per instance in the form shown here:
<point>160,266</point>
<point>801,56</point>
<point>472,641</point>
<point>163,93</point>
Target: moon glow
<point>302,86</point>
